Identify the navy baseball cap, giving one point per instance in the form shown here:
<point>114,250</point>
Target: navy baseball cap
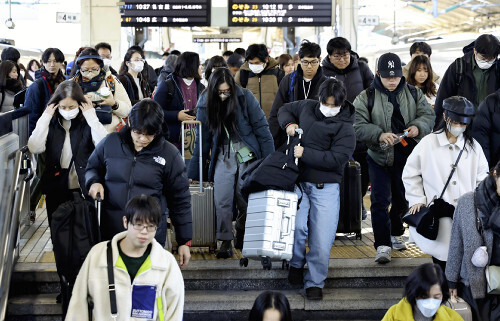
<point>389,65</point>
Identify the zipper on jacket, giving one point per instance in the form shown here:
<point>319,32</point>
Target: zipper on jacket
<point>131,181</point>
<point>260,93</point>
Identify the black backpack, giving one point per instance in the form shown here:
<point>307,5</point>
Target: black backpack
<point>245,74</point>
<point>370,94</point>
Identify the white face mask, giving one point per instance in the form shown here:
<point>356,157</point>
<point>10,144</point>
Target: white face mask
<point>188,82</point>
<point>137,66</point>
<point>455,130</point>
<point>107,62</point>
<point>69,114</point>
<point>428,307</point>
<point>327,111</point>
<point>256,69</point>
<point>224,96</point>
<point>90,74</point>
<point>484,64</point>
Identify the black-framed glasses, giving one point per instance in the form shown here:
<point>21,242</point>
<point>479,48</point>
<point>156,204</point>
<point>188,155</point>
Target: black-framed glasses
<point>343,56</point>
<point>149,228</point>
<point>225,91</point>
<point>309,63</point>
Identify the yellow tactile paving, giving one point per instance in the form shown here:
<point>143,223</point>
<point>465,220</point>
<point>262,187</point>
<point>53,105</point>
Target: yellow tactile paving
<point>346,252</point>
<point>48,257</point>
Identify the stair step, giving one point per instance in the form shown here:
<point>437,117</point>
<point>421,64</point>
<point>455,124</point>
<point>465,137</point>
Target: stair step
<point>337,304</point>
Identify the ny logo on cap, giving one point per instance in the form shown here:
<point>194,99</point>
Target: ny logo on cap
<point>390,64</point>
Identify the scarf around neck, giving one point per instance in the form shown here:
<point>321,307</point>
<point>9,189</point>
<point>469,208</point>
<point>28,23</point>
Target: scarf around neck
<point>90,85</point>
<point>488,203</point>
<point>52,79</point>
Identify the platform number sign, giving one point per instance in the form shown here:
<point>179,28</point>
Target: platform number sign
<point>67,17</point>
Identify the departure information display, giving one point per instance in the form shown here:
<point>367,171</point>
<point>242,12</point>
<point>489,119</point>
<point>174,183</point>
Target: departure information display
<point>165,13</point>
<point>278,13</point>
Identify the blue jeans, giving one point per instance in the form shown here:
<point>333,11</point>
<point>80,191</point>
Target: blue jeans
<point>317,219</point>
<point>387,189</point>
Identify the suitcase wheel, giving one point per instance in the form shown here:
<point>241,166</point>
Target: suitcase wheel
<point>211,249</point>
<point>359,236</point>
<point>285,265</point>
<point>266,263</point>
<point>244,262</point>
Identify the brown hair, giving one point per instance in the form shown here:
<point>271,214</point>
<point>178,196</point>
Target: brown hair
<point>429,87</point>
<point>284,59</point>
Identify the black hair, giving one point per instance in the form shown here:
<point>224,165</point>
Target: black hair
<point>128,55</point>
<point>441,127</point>
<point>214,62</point>
<point>421,46</point>
<point>11,53</point>
<point>221,113</point>
<point>488,46</point>
<point>240,51</point>
<point>137,48</point>
<point>496,169</point>
<point>187,65</point>
<point>143,208</point>
<point>31,63</point>
<point>422,279</point>
<point>270,300</point>
<point>175,52</point>
<point>146,117</point>
<point>338,45</point>
<point>309,49</point>
<point>165,54</point>
<point>104,45</point>
<point>58,55</point>
<point>5,69</point>
<point>257,51</point>
<point>227,53</point>
<point>332,87</point>
<point>68,89</point>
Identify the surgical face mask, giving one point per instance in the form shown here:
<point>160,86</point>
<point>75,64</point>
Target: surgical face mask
<point>224,96</point>
<point>455,130</point>
<point>327,111</point>
<point>484,64</point>
<point>428,307</point>
<point>137,66</point>
<point>90,74</point>
<point>107,62</point>
<point>69,114</point>
<point>256,69</point>
<point>188,82</point>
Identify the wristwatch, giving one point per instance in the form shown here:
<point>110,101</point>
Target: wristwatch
<point>115,106</point>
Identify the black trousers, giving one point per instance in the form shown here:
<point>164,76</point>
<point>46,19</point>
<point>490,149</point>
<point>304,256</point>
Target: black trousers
<point>487,309</point>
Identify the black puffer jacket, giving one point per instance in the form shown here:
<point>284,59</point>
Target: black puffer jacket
<point>467,87</point>
<point>289,89</point>
<point>81,144</point>
<point>356,77</point>
<point>328,141</point>
<point>486,127</point>
<point>157,170</point>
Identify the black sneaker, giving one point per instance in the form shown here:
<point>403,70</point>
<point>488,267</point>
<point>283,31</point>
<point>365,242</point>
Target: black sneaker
<point>364,214</point>
<point>226,250</point>
<point>314,293</point>
<point>59,298</point>
<point>296,276</point>
<point>238,240</point>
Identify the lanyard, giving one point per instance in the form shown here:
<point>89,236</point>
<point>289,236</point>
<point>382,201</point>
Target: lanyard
<point>304,87</point>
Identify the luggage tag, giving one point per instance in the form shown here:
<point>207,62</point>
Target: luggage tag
<point>143,301</point>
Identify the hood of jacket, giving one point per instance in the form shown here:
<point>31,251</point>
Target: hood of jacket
<point>270,65</point>
<point>353,65</point>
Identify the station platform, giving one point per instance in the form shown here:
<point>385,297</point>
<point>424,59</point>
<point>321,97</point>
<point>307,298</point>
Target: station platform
<point>357,288</point>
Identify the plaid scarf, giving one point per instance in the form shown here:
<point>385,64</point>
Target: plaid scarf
<point>52,79</point>
<point>488,202</point>
<point>90,85</point>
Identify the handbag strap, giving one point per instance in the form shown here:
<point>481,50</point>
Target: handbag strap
<point>479,226</point>
<point>111,281</point>
<point>454,167</point>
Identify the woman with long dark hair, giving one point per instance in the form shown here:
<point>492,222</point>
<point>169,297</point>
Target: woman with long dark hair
<point>179,93</point>
<point>33,66</point>
<point>271,306</point>
<point>420,75</point>
<point>429,166</point>
<point>235,132</point>
<point>131,77</point>
<point>104,90</point>
<point>9,85</point>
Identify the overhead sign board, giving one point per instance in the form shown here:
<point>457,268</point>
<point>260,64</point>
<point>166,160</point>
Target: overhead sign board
<point>171,13</point>
<point>368,20</point>
<point>66,17</point>
<point>280,13</point>
<point>221,38</point>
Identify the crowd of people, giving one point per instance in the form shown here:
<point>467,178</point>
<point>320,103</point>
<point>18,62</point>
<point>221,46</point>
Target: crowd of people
<point>117,136</point>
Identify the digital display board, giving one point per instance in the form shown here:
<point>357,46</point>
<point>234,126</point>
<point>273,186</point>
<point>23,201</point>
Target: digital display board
<point>173,13</point>
<point>262,13</point>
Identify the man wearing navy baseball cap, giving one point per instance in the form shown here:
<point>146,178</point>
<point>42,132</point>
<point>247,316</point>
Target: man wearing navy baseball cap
<point>385,111</point>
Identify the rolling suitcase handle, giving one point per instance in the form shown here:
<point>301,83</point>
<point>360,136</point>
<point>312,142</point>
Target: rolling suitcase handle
<point>98,202</point>
<point>193,122</point>
<point>300,132</point>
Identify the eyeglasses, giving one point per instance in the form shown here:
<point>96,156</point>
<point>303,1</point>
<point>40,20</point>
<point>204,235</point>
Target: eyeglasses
<point>149,228</point>
<point>309,63</point>
<point>93,69</point>
<point>344,56</point>
<point>138,133</point>
<point>225,91</point>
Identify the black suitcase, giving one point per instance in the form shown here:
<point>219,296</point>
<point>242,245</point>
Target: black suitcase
<point>351,200</point>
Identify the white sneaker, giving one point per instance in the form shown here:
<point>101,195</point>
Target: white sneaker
<point>383,254</point>
<point>398,243</point>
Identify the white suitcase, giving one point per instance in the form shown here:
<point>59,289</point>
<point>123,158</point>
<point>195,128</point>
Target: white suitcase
<point>270,227</point>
